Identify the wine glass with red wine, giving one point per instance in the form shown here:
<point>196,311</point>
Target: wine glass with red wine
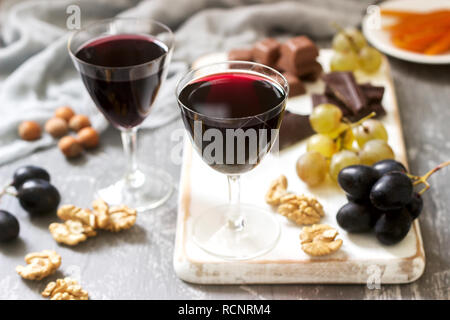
<point>232,112</point>
<point>123,62</point>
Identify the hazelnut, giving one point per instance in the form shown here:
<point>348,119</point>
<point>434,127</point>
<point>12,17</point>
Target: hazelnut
<point>65,113</point>
<point>88,137</point>
<point>30,130</point>
<point>57,127</point>
<point>79,122</point>
<point>70,146</point>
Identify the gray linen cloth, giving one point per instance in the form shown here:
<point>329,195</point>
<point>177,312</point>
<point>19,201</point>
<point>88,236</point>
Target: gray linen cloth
<point>37,75</point>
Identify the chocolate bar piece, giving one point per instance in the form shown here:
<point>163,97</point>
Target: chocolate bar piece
<point>296,86</point>
<point>296,54</point>
<point>377,108</point>
<point>372,93</point>
<point>372,107</point>
<point>321,98</point>
<point>267,51</point>
<point>345,88</point>
<point>241,54</point>
<point>294,127</point>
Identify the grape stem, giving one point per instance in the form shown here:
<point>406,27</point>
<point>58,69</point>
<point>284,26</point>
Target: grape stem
<point>7,190</point>
<point>423,179</point>
<point>360,121</point>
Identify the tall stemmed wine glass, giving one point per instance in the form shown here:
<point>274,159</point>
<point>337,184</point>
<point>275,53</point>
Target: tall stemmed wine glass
<point>232,112</point>
<point>122,62</point>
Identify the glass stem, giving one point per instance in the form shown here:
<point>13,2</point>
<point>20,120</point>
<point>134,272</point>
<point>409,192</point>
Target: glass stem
<point>235,218</point>
<point>133,177</point>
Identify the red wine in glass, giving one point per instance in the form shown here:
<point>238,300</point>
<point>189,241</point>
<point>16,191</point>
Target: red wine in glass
<point>122,94</point>
<point>237,108</point>
<point>122,63</point>
<point>234,100</point>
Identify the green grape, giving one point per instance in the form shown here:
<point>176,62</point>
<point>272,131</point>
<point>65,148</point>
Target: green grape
<point>312,168</point>
<point>341,160</point>
<point>341,42</point>
<point>322,144</point>
<point>347,140</point>
<point>357,37</point>
<point>344,61</point>
<point>374,151</point>
<point>369,130</point>
<point>325,118</point>
<point>369,59</point>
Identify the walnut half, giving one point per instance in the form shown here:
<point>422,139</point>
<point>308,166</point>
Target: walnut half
<point>71,232</point>
<point>301,209</point>
<point>121,218</point>
<point>71,212</point>
<point>65,289</point>
<point>319,240</point>
<point>277,189</point>
<point>39,265</point>
<point>81,223</point>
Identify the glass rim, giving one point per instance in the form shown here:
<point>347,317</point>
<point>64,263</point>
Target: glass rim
<point>284,87</point>
<point>104,21</point>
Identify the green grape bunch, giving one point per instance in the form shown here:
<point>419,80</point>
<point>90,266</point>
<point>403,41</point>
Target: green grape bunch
<point>351,52</point>
<point>339,143</point>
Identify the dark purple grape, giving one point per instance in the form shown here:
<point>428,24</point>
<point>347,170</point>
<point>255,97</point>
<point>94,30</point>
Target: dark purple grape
<point>38,196</point>
<point>357,180</point>
<point>392,228</point>
<point>23,174</point>
<point>388,165</point>
<point>415,206</point>
<point>375,214</point>
<point>392,191</point>
<point>9,226</point>
<point>356,200</point>
<point>354,217</point>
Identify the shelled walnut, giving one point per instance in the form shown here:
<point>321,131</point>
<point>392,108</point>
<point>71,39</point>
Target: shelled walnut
<point>319,240</point>
<point>277,189</point>
<point>71,232</point>
<point>71,212</point>
<point>39,265</point>
<point>301,209</point>
<point>120,218</point>
<point>100,212</point>
<point>65,289</point>
<point>81,223</point>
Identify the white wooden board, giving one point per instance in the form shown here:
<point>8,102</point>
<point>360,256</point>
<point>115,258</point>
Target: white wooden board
<point>361,258</point>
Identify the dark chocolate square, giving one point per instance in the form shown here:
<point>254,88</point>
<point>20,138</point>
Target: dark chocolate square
<point>344,87</point>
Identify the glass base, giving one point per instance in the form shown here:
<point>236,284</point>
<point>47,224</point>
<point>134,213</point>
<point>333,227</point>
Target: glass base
<point>257,235</point>
<point>149,188</point>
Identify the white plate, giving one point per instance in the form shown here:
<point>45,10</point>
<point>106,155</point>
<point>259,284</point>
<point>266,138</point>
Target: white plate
<point>379,38</point>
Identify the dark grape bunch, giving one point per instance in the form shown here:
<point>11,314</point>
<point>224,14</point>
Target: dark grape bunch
<point>382,198</point>
<point>31,185</point>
